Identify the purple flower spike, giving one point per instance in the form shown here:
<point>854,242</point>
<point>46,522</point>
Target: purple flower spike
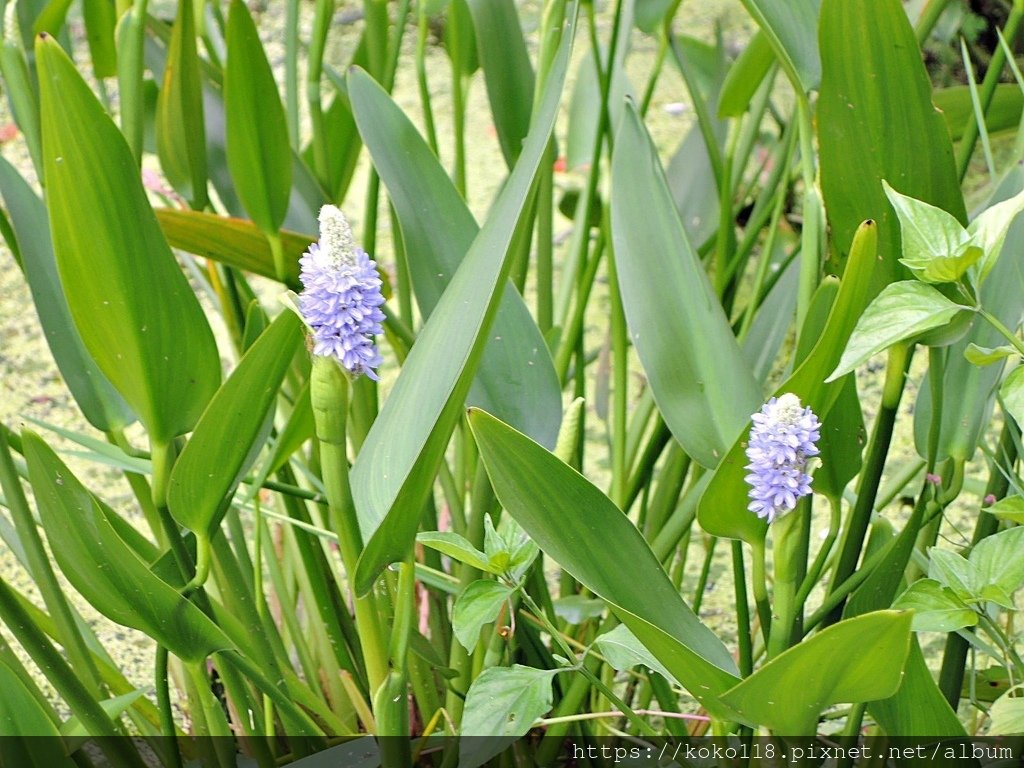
<point>781,441</point>
<point>341,297</point>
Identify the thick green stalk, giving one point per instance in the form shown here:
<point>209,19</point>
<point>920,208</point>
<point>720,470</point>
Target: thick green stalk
<point>744,638</point>
<point>871,473</point>
<point>787,534</point>
<point>329,392</point>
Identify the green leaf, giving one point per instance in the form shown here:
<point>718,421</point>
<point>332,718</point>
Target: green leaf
<point>501,49</point>
<point>976,355</point>
<point>133,307</point>
<point>701,382</point>
<point>100,403</point>
<point>1011,508</point>
<point>104,569</point>
<point>180,128</point>
<point>457,548</point>
<point>899,314</point>
<point>936,608</point>
<point>842,442</point>
<point>999,560</point>
<point>1007,716</point>
<point>72,728</point>
<point>258,151</point>
<point>100,22</point>
<point>579,528</point>
<point>745,76</point>
<point>516,378</point>
<point>989,231</point>
<point>651,13</point>
<point>874,114</point>
<point>207,472</point>
<point>791,27</point>
<point>234,242</point>
<point>918,708</point>
<point>19,87</point>
<point>395,470</point>
<point>476,606</point>
<point>936,248</point>
<point>502,704</point>
<point>956,107</point>
<point>723,509</point>
<point>623,651</point>
<point>29,737</point>
<point>955,572</point>
<point>1012,394</point>
<point>790,692</point>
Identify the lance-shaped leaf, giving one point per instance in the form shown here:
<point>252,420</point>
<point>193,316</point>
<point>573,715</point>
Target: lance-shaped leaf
<point>258,151</point>
<point>30,739</point>
<point>235,242</point>
<point>101,405</point>
<point>180,130</point>
<point>232,430</point>
<point>395,469</point>
<point>874,115</point>
<point>133,307</point>
<point>700,378</point>
<point>577,526</point>
<point>790,692</point>
<point>516,380</point>
<point>105,570</point>
<point>723,506</point>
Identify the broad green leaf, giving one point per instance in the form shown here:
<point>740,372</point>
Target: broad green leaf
<point>936,608</point>
<point>180,128</point>
<point>501,49</point>
<point>623,651</point>
<point>476,606</point>
<point>457,548</point>
<point>874,115</point>
<point>19,87</point>
<point>918,708</point>
<point>1007,716</point>
<point>363,752</point>
<point>774,322</point>
<point>395,470</point>
<point>989,231</point>
<point>258,152</point>
<point>232,430</point>
<point>955,572</point>
<point>130,34</point>
<point>791,27</point>
<point>842,442</point>
<point>28,738</point>
<point>1011,508</point>
<point>1000,560</point>
<point>234,242</point>
<point>723,506</point>
<point>100,403</point>
<point>576,609</point>
<point>900,313</point>
<point>516,378</point>
<point>51,19</point>
<point>578,527</point>
<point>955,105</point>
<point>790,692</point>
<point>1012,394</point>
<point>701,382</point>
<point>106,572</point>
<point>133,307</point>
<point>745,76</point>
<point>936,248</point>
<point>976,355</point>
<point>502,704</point>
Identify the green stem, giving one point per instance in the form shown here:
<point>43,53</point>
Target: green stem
<point>786,541</point>
<point>277,252</point>
<point>928,19</point>
<point>759,584</point>
<point>314,69</point>
<point>1005,332</point>
<point>746,660</point>
<point>422,30</point>
<point>163,701</point>
<point>291,70</point>
<point>810,235</point>
<point>329,391</point>
<point>871,473</point>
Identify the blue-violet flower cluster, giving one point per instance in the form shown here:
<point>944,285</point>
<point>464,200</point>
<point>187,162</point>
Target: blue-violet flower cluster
<point>341,297</point>
<point>783,438</point>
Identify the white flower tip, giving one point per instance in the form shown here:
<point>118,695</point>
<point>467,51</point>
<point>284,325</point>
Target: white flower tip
<point>337,243</point>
